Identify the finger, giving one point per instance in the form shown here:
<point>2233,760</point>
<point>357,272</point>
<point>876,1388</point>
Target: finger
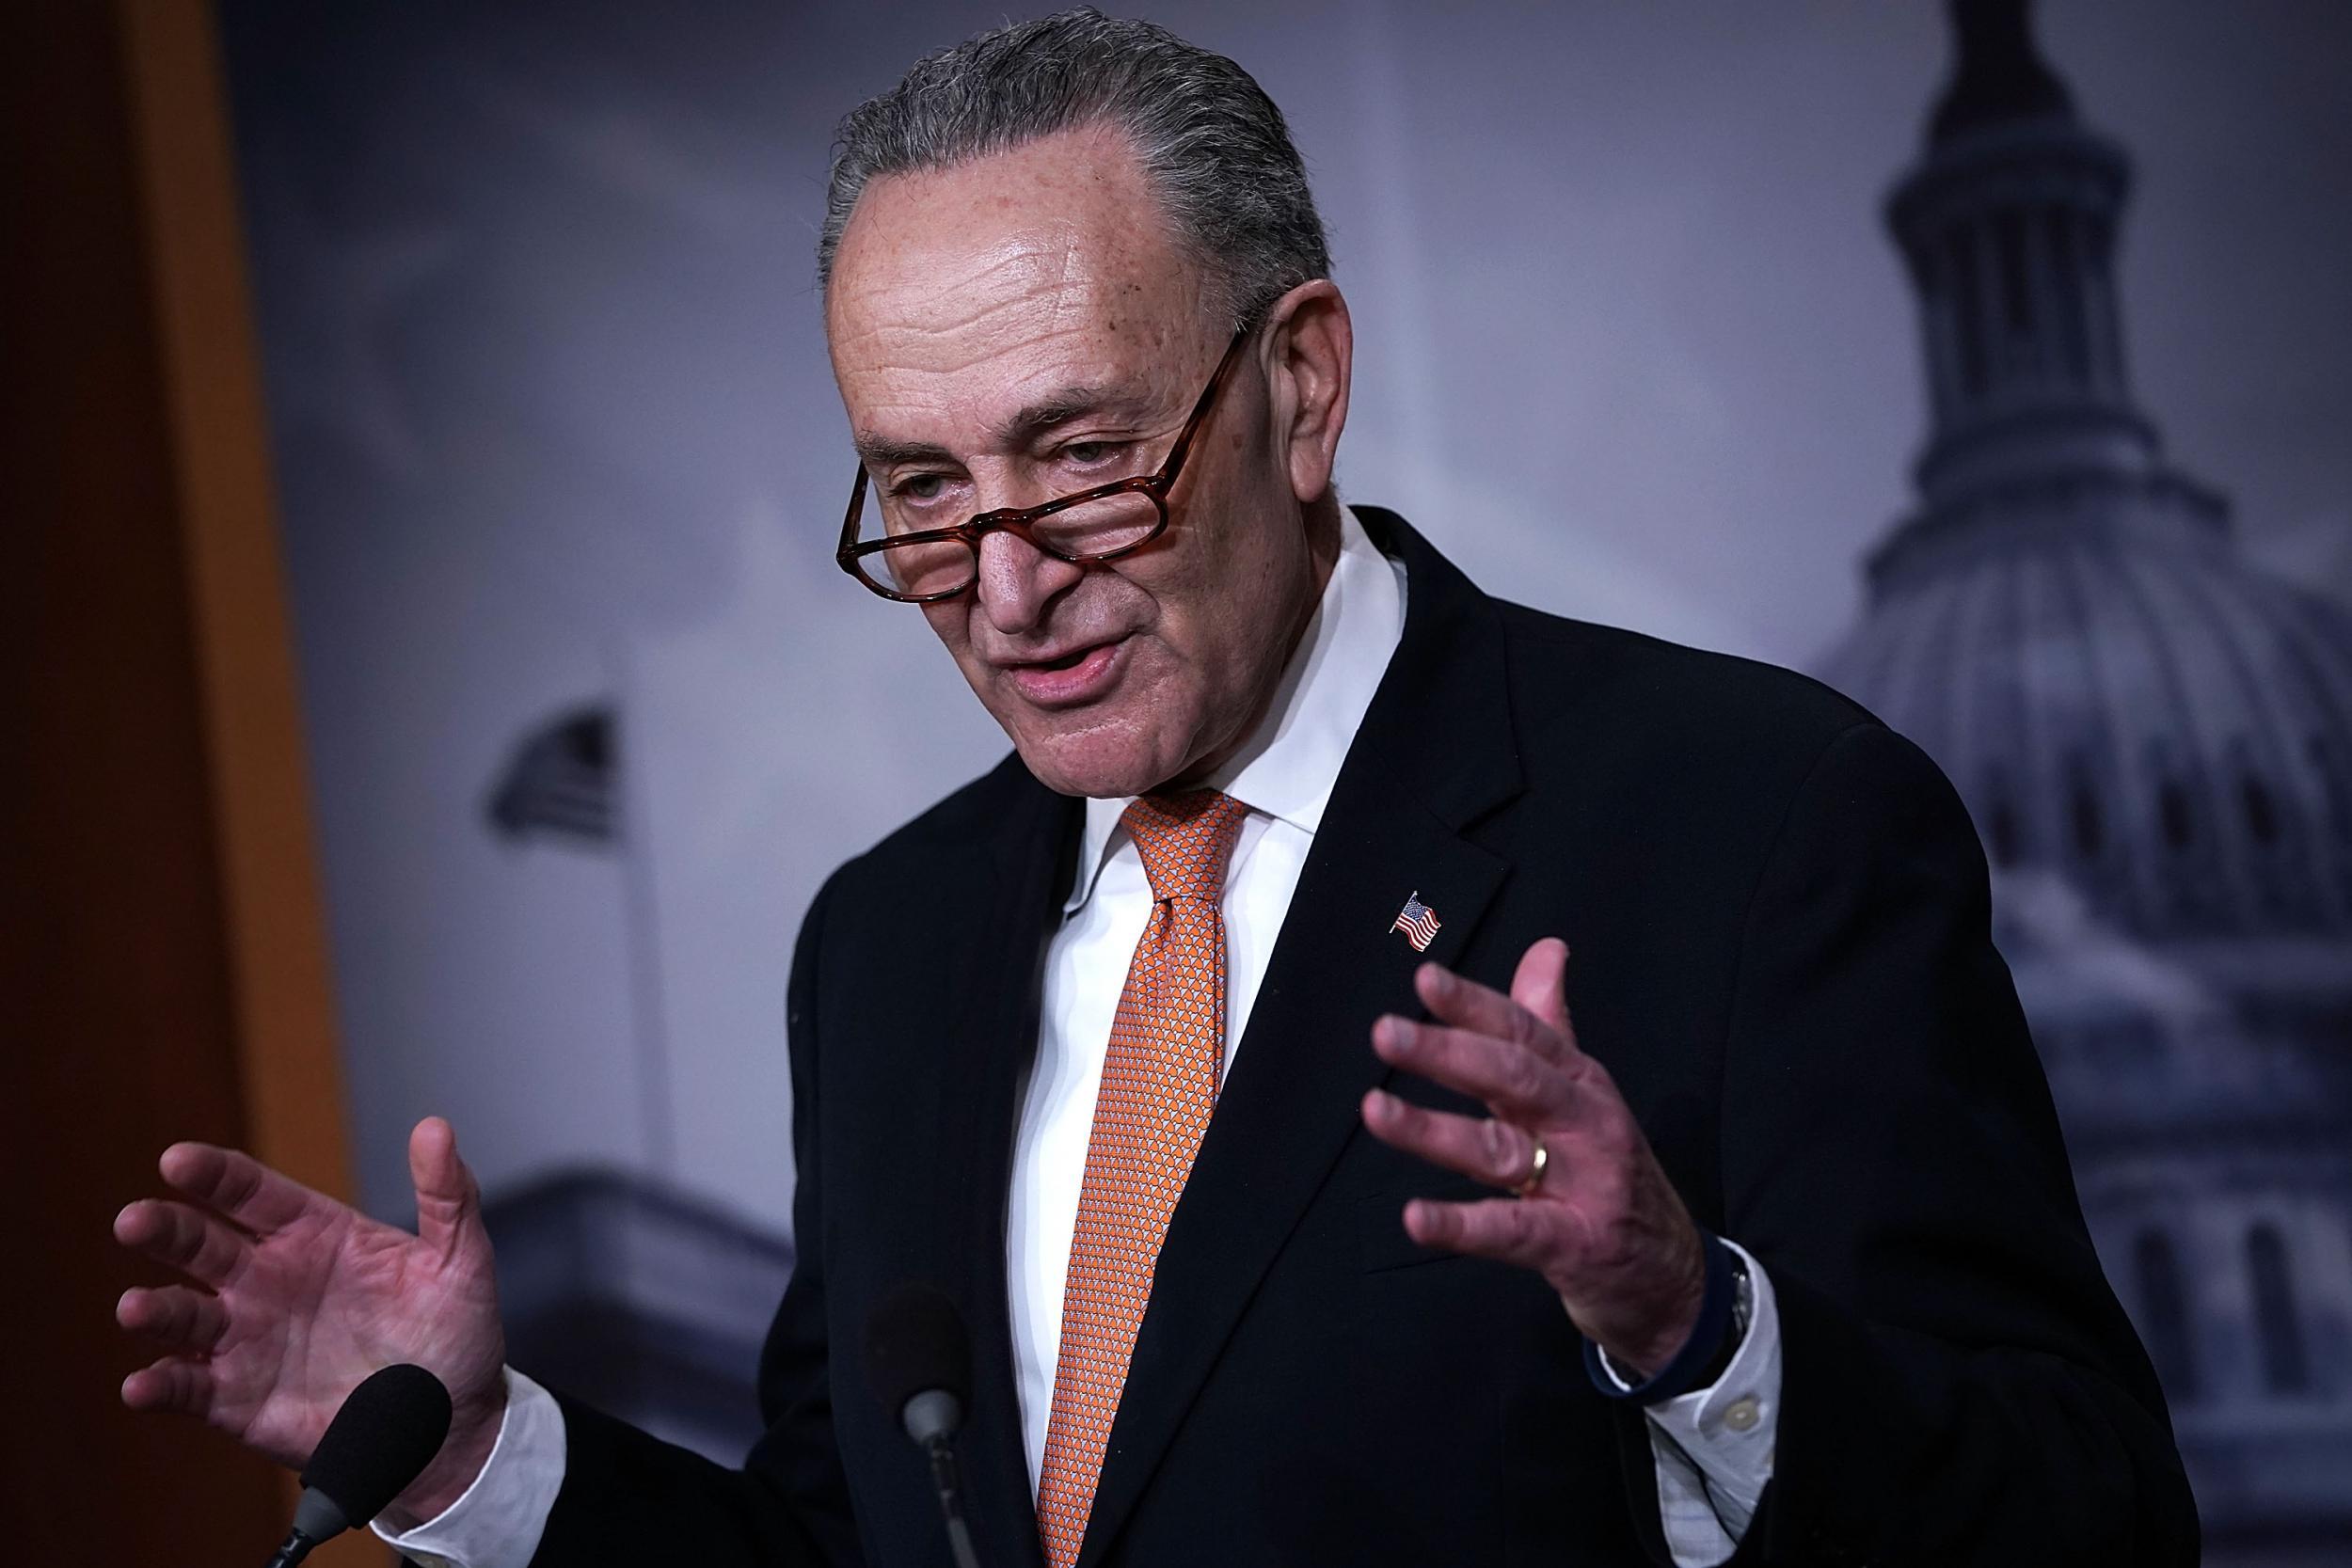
<point>1511,1078</point>
<point>182,1238</point>
<point>174,1316</point>
<point>1541,986</point>
<point>173,1384</point>
<point>1485,1148</point>
<point>1502,1229</point>
<point>448,1200</point>
<point>1467,1004</point>
<point>238,1185</point>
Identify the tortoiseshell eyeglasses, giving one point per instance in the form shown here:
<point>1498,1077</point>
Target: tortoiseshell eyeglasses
<point>925,565</point>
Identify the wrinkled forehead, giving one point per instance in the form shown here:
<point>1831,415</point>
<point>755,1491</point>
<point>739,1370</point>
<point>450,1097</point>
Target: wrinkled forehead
<point>1055,247</point>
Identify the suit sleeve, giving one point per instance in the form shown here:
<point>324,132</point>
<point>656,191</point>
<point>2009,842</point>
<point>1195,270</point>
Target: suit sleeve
<point>631,1498</point>
<point>1959,1383</point>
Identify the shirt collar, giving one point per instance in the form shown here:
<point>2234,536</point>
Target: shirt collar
<point>1287,767</point>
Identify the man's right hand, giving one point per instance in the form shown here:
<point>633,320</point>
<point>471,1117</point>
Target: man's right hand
<point>302,1297</point>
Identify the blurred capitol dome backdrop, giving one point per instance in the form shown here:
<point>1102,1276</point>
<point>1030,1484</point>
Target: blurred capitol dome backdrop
<point>590,712</point>
<point>2154,738</point>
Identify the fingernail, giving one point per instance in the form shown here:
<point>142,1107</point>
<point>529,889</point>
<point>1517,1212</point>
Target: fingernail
<point>1401,1033</point>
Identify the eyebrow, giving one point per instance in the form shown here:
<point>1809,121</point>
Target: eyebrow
<point>1057,408</point>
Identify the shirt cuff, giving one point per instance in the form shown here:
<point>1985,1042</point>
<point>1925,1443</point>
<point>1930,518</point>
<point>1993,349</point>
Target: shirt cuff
<point>499,1520</point>
<point>1715,1446</point>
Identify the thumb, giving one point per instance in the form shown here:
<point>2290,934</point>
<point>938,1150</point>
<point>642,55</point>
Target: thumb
<point>448,1200</point>
<point>1541,983</point>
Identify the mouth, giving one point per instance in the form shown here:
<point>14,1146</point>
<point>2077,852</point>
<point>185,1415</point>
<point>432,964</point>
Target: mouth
<point>1078,675</point>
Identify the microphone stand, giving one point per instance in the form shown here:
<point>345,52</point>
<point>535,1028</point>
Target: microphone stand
<point>296,1548</point>
<point>943,1457</point>
<point>317,1517</point>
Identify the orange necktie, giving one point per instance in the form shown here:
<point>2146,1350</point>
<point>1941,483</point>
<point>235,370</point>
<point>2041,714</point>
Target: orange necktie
<point>1159,1084</point>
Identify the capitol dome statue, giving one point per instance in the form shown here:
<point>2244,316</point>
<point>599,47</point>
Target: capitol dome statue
<point>2155,742</point>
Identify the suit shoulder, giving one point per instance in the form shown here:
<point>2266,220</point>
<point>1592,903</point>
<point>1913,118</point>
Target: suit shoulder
<point>964,817</point>
<point>1592,672</point>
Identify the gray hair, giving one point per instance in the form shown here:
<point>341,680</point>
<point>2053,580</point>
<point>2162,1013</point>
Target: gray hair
<point>1214,146</point>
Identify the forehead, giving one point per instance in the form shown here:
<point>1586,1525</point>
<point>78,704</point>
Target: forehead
<point>1055,248</point>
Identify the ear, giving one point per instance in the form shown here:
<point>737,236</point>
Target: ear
<point>1309,350</point>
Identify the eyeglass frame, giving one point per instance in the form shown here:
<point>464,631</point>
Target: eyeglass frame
<point>1153,487</point>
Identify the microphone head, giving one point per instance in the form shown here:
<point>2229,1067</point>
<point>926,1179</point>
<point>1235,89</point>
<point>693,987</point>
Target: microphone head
<point>380,1441</point>
<point>915,1344</point>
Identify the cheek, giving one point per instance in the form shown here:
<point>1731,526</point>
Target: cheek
<point>1240,597</point>
<point>952,624</point>
<point>947,622</point>
<point>1199,671</point>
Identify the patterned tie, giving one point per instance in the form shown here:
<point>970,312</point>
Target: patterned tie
<point>1159,1084</point>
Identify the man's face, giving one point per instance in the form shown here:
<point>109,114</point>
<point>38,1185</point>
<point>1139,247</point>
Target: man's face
<point>1021,327</point>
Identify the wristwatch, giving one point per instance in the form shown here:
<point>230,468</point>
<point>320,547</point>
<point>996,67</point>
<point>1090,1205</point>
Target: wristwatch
<point>1742,1309</point>
<point>1725,1311</point>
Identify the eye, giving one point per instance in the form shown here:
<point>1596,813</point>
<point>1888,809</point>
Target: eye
<point>1092,454</point>
<point>919,488</point>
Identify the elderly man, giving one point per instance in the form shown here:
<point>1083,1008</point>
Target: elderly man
<point>1220,1055</point>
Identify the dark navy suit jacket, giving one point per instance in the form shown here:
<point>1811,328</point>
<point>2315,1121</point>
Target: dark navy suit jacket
<point>1779,921</point>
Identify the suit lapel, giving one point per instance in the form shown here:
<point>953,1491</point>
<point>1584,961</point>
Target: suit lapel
<point>1024,873</point>
<point>1435,751</point>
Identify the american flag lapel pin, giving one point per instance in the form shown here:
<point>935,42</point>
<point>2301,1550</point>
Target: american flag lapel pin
<point>1419,923</point>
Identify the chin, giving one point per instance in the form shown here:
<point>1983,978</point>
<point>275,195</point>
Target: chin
<point>1106,761</point>
<point>1105,782</point>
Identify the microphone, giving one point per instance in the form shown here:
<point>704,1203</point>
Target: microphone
<point>380,1441</point>
<point>918,1361</point>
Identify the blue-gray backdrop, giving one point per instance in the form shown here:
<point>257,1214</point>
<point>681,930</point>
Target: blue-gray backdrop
<point>590,712</point>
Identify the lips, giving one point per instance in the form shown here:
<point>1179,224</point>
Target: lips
<point>1077,675</point>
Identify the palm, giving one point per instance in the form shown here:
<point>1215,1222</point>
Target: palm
<point>326,1302</point>
<point>1597,1216</point>
<point>307,1297</point>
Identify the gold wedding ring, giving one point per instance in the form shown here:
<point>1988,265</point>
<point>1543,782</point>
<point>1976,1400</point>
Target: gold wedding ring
<point>1535,1177</point>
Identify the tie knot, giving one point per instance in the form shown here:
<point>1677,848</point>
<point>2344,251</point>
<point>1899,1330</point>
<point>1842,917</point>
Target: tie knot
<point>1185,838</point>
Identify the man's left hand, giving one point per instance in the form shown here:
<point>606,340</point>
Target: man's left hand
<point>1602,1224</point>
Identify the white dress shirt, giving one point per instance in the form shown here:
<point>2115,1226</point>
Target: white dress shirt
<point>1712,1447</point>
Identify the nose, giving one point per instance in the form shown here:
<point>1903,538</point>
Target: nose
<point>1018,581</point>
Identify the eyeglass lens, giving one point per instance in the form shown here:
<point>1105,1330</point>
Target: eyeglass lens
<point>1088,531</point>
